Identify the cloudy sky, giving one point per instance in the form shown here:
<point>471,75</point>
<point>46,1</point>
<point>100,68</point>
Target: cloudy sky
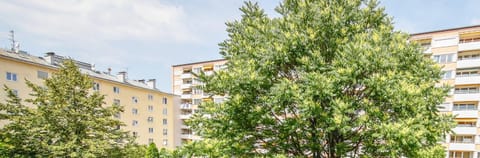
<point>147,37</point>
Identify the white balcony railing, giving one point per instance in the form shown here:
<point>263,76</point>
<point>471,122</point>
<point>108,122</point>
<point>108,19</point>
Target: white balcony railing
<point>469,46</point>
<point>186,75</point>
<point>465,130</point>
<point>462,146</point>
<point>467,79</point>
<point>186,136</point>
<point>185,116</point>
<point>466,114</point>
<point>467,97</point>
<point>468,63</point>
<point>186,96</point>
<point>185,86</point>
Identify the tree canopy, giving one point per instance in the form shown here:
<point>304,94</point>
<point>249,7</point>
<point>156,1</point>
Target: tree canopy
<point>64,119</point>
<point>326,78</point>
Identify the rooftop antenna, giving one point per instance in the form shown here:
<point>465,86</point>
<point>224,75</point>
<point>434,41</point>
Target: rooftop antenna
<point>15,46</point>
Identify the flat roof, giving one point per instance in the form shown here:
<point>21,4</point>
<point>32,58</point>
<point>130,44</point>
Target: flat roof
<point>443,30</point>
<point>200,62</point>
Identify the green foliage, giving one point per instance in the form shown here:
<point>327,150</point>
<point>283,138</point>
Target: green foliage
<point>325,79</point>
<point>65,119</point>
<point>152,151</point>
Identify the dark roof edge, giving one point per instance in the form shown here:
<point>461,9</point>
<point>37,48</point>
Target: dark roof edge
<point>450,29</point>
<point>208,61</point>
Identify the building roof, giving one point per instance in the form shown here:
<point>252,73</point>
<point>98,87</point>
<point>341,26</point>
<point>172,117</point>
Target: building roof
<point>444,30</point>
<point>200,62</point>
<point>41,61</point>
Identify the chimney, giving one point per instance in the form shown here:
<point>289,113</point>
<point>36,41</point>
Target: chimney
<point>152,83</point>
<point>109,71</point>
<point>49,57</point>
<point>142,80</point>
<point>122,75</point>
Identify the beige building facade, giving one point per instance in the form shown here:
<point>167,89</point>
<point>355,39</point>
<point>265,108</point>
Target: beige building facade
<point>457,50</point>
<point>186,85</point>
<point>149,114</point>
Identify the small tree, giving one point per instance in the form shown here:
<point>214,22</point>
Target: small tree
<point>327,78</point>
<point>152,151</point>
<point>67,120</point>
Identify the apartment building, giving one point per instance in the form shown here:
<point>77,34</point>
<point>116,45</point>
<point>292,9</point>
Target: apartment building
<point>148,112</point>
<point>457,50</point>
<point>186,85</point>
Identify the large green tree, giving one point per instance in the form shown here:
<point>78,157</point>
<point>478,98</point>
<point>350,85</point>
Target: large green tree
<point>326,78</point>
<point>64,119</point>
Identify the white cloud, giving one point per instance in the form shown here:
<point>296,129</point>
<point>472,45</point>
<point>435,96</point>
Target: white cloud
<point>99,20</point>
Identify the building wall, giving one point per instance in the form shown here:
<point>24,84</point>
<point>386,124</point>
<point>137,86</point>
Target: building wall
<point>462,103</point>
<point>184,83</point>
<point>160,111</point>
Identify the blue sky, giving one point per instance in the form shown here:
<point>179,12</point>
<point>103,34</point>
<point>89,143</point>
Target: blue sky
<point>147,37</point>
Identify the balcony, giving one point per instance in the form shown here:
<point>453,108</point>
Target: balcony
<point>184,127</point>
<point>186,96</point>
<point>186,136</point>
<point>468,63</point>
<point>466,114</point>
<point>186,106</point>
<point>185,86</point>
<point>473,79</point>
<point>427,49</point>
<point>469,45</point>
<point>465,130</point>
<point>467,97</point>
<point>186,75</point>
<point>208,73</point>
<point>462,146</point>
<point>185,116</point>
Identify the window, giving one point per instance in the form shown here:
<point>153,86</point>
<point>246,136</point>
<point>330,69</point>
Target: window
<point>165,132</point>
<point>197,91</point>
<point>447,74</point>
<point>467,73</point>
<point>134,123</point>
<point>466,90</point>
<point>150,119</point>
<point>150,140</point>
<point>116,90</point>
<point>116,102</point>
<point>42,75</point>
<point>197,101</point>
<point>469,56</point>
<point>460,154</point>
<point>96,86</point>
<point>466,124</point>
<point>135,134</point>
<point>164,121</point>
<point>150,108</point>
<point>117,115</point>
<point>197,70</point>
<point>164,111</point>
<point>464,107</point>
<point>165,142</point>
<point>462,139</point>
<point>15,92</point>
<point>150,130</point>
<point>134,100</point>
<point>444,58</point>
<point>150,97</point>
<point>134,111</point>
<point>164,100</point>
<point>11,76</point>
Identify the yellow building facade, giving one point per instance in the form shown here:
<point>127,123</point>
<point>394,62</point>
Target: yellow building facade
<point>185,84</point>
<point>457,50</point>
<point>149,114</point>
